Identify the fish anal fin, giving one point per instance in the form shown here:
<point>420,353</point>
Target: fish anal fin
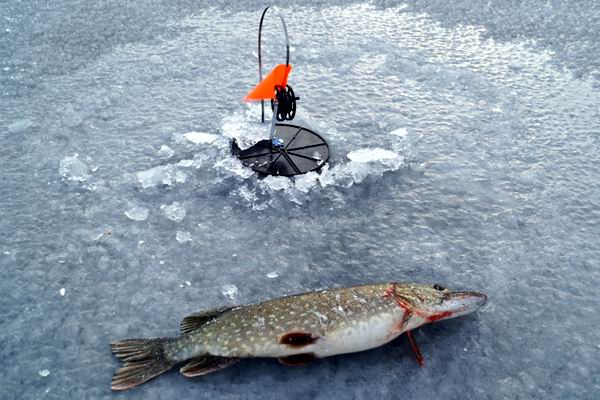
<point>298,359</point>
<point>196,320</point>
<point>206,364</point>
<point>297,340</point>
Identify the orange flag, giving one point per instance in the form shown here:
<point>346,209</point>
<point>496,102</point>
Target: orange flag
<point>265,89</point>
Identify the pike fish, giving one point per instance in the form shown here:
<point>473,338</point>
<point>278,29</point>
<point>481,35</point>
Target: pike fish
<point>295,329</point>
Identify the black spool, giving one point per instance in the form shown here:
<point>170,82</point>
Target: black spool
<point>286,100</point>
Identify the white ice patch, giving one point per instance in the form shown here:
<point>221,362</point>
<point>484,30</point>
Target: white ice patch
<point>165,151</point>
<point>233,167</point>
<point>185,163</point>
<point>44,373</point>
<point>306,181</point>
<point>260,206</point>
<point>183,236</point>
<point>247,194</point>
<point>137,213</point>
<point>161,175</point>
<point>175,212</point>
<point>371,154</point>
<point>363,163</point>
<point>272,275</point>
<point>200,137</point>
<point>20,126</point>
<point>401,132</point>
<point>246,128</point>
<point>73,169</point>
<point>62,291</point>
<point>251,197</point>
<point>276,183</point>
<point>229,291</point>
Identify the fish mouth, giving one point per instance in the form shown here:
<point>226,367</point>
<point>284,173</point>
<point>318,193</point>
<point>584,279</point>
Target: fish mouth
<point>462,303</point>
<point>456,304</point>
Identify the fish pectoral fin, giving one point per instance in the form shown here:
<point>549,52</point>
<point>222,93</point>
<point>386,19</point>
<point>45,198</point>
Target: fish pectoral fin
<point>196,320</point>
<point>415,349</point>
<point>298,359</point>
<point>206,364</point>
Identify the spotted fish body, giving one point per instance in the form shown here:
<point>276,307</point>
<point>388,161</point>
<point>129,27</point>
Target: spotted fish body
<point>295,329</point>
<point>324,323</point>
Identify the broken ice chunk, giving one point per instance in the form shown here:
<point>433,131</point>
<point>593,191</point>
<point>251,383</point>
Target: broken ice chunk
<point>232,166</point>
<point>137,213</point>
<point>399,132</point>
<point>163,174</point>
<point>183,236</point>
<point>62,291</point>
<point>73,169</point>
<point>165,151</point>
<point>276,182</point>
<point>21,125</point>
<point>44,372</point>
<point>305,182</point>
<point>371,154</point>
<point>200,137</point>
<point>247,194</point>
<point>318,158</point>
<point>229,291</point>
<point>175,212</point>
<point>272,275</point>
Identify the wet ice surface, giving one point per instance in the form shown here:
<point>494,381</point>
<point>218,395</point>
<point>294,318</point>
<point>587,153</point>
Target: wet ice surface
<point>462,153</point>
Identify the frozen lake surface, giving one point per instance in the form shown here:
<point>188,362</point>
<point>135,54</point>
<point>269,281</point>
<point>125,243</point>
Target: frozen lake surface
<point>465,151</point>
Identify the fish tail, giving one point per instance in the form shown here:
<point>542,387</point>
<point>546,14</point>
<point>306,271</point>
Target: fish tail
<point>143,359</point>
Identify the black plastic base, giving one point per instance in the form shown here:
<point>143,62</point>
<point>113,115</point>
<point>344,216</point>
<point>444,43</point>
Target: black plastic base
<point>303,151</point>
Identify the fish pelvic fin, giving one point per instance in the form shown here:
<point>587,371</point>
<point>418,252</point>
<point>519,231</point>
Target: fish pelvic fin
<point>143,359</point>
<point>206,364</point>
<point>298,359</point>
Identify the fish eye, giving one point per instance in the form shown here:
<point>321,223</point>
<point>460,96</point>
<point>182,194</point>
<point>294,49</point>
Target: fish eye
<point>438,287</point>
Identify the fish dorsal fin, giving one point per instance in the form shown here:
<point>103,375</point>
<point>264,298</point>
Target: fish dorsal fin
<point>297,359</point>
<point>206,364</point>
<point>196,320</point>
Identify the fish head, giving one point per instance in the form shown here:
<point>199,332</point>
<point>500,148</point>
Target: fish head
<point>436,303</point>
